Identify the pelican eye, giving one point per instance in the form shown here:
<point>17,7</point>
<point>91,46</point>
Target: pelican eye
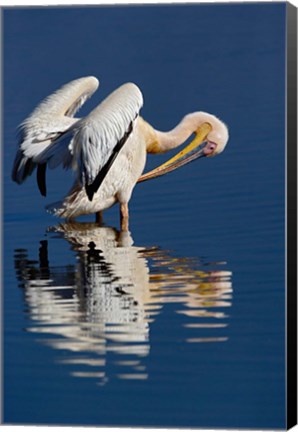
<point>210,148</point>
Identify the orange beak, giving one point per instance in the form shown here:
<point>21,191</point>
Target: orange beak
<point>192,151</point>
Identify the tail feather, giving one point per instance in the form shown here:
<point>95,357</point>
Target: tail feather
<point>66,208</point>
<point>55,208</point>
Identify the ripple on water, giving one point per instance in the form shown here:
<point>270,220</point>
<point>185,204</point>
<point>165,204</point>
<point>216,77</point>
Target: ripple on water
<point>108,297</point>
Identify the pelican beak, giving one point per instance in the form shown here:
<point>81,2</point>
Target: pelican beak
<point>192,151</point>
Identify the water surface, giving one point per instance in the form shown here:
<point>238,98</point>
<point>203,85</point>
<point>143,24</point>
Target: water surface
<point>179,322</point>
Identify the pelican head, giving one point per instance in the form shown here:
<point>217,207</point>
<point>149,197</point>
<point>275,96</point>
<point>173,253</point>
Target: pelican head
<point>211,137</point>
<point>216,140</point>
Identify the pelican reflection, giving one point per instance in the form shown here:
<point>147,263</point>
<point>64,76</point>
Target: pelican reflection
<point>100,307</point>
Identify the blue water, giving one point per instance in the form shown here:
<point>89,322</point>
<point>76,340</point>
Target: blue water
<point>180,322</point>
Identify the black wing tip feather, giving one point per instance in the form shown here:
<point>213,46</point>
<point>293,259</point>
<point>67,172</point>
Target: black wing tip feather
<point>22,168</point>
<point>41,179</point>
<point>90,191</point>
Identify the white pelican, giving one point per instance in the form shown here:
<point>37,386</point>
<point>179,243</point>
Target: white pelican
<point>107,148</point>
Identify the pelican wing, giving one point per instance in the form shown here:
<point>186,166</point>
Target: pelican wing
<point>99,137</point>
<point>44,136</point>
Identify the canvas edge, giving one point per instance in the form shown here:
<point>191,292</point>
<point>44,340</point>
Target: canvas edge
<point>291,207</point>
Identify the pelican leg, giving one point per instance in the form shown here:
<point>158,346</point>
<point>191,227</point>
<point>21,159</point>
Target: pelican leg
<point>99,218</point>
<point>124,216</point>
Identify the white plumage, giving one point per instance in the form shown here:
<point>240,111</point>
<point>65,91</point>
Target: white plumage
<point>107,148</point>
<point>97,134</point>
<point>50,120</point>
